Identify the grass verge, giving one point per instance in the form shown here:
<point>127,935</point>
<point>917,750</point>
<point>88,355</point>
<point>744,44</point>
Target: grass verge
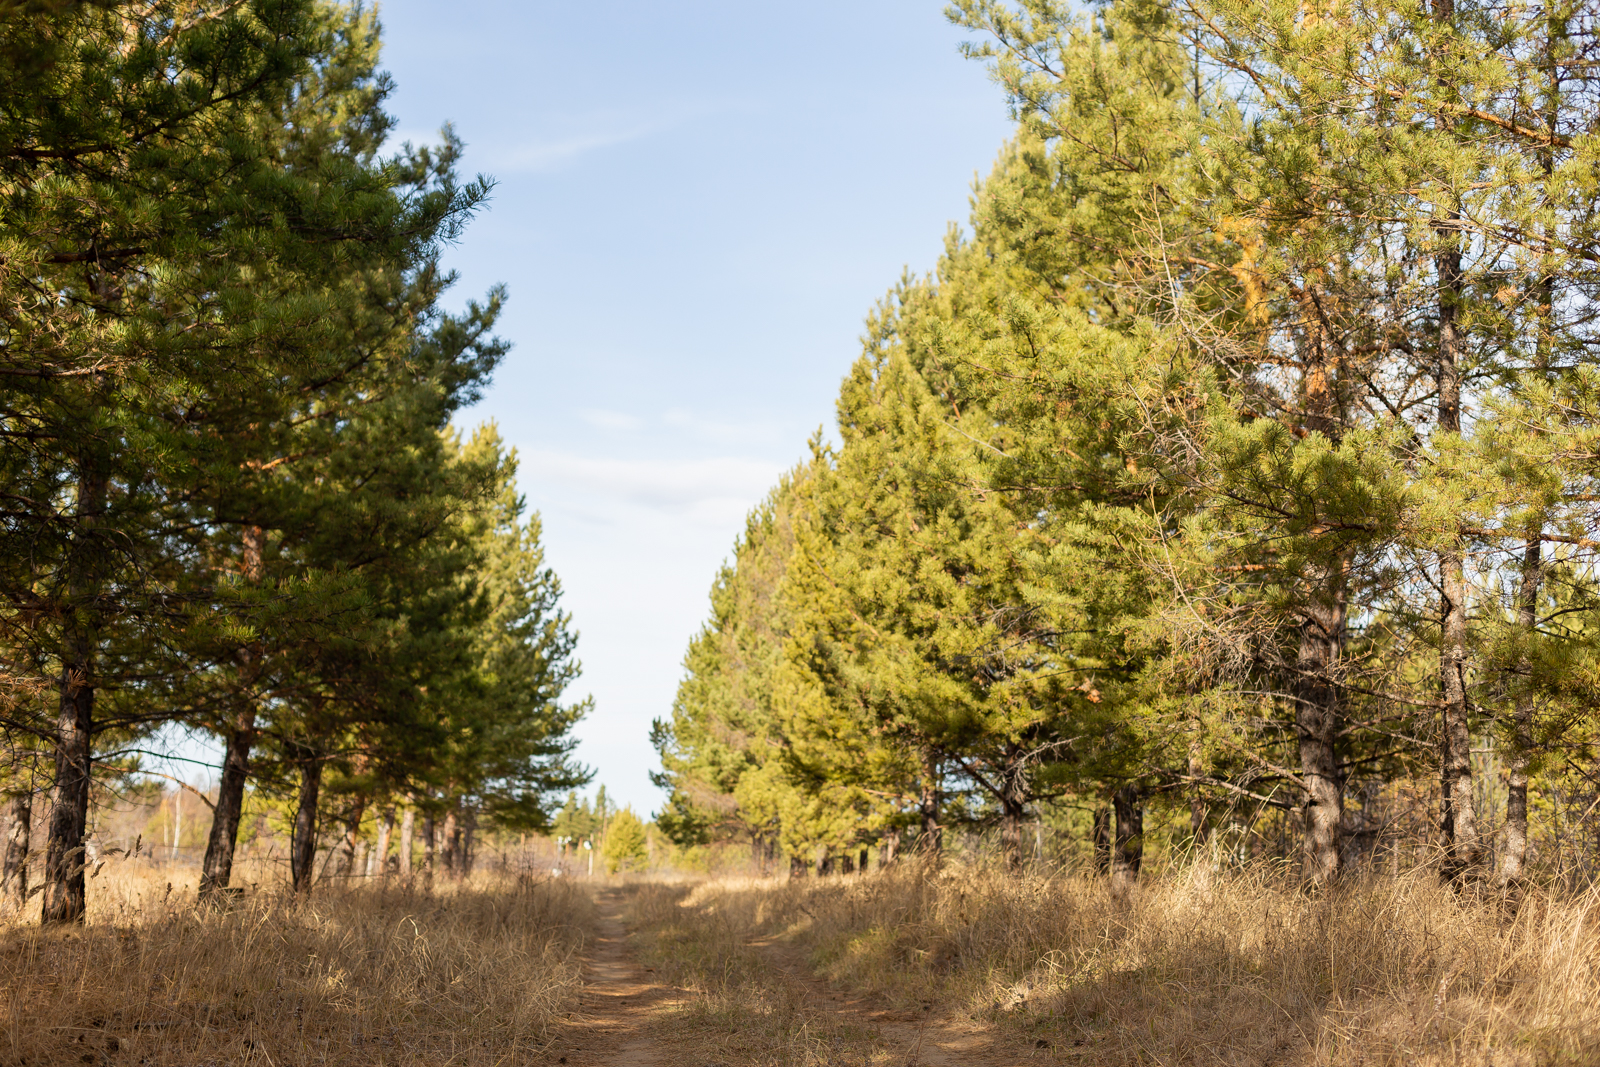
<point>473,974</point>
<point>1192,968</point>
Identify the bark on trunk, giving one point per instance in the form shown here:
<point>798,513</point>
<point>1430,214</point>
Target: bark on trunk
<point>1460,818</point>
<point>847,864</point>
<point>19,837</point>
<point>64,889</point>
<point>1319,720</point>
<point>303,840</point>
<point>352,836</point>
<point>385,831</point>
<point>1102,840</point>
<point>1514,851</point>
<point>216,870</point>
<point>469,833</point>
<point>408,828</point>
<point>452,844</point>
<point>1513,857</point>
<point>931,843</point>
<point>824,865</point>
<point>1013,797</point>
<point>1199,828</point>
<point>427,851</point>
<point>1319,711</point>
<point>1462,846</point>
<point>1127,849</point>
<point>888,849</point>
<point>861,860</point>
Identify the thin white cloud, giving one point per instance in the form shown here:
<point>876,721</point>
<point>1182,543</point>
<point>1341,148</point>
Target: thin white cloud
<point>722,433</point>
<point>699,488</point>
<point>610,420</point>
<point>570,137</point>
<point>548,154</point>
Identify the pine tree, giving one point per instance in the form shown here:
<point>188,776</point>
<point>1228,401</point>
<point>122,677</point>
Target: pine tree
<point>625,846</point>
<point>143,188</point>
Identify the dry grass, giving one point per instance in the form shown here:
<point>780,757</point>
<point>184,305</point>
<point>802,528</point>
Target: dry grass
<point>1193,968</point>
<point>472,974</point>
<point>748,1013</point>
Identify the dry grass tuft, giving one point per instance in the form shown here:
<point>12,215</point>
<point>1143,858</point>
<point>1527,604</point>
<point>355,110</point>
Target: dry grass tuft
<point>473,974</point>
<point>1200,967</point>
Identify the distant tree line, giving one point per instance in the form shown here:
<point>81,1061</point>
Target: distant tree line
<point>232,502</point>
<point>1241,460</point>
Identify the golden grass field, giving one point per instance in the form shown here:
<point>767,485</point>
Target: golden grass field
<point>1194,967</point>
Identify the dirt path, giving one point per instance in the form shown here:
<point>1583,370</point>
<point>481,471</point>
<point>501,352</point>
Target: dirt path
<point>621,1002</point>
<point>625,1018</point>
<point>915,1040</point>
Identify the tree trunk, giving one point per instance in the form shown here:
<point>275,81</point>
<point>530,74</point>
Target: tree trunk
<point>452,844</point>
<point>888,849</point>
<point>1460,817</point>
<point>1199,828</point>
<point>861,864</point>
<point>1513,857</point>
<point>1319,710</point>
<point>303,841</point>
<point>216,870</point>
<point>385,831</point>
<point>65,898</point>
<point>824,865</point>
<point>1463,849</point>
<point>1319,720</point>
<point>1127,849</point>
<point>469,835</point>
<point>931,843</point>
<point>19,835</point>
<point>1514,853</point>
<point>352,835</point>
<point>427,851</point>
<point>408,825</point>
<point>1102,840</point>
<point>1013,798</point>
<point>847,864</point>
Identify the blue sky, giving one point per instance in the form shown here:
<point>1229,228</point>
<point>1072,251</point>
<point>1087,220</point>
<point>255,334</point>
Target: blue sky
<point>698,203</point>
